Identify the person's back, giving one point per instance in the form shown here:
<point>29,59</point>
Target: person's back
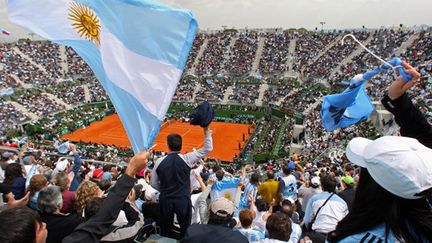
<point>305,193</point>
<point>330,214</point>
<point>347,195</point>
<point>213,234</point>
<point>59,226</point>
<point>377,234</point>
<point>174,176</point>
<point>269,189</point>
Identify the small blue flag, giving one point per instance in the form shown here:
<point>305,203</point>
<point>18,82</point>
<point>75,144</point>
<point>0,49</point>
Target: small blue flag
<point>347,108</point>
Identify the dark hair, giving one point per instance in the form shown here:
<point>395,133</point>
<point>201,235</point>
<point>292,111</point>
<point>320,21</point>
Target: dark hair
<point>287,208</point>
<point>174,142</point>
<point>12,171</point>
<point>255,178</point>
<point>279,226</point>
<point>92,207</point>
<point>19,225</point>
<point>328,183</point>
<point>270,175</point>
<point>104,185</point>
<point>261,205</point>
<point>407,219</point>
<point>246,217</point>
<point>219,175</point>
<point>216,168</point>
<point>285,170</point>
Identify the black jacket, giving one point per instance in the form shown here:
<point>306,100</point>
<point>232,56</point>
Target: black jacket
<point>209,233</point>
<point>411,120</point>
<point>100,224</point>
<point>59,226</point>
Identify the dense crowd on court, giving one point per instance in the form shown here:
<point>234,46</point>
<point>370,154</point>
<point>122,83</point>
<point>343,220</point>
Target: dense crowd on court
<point>61,192</point>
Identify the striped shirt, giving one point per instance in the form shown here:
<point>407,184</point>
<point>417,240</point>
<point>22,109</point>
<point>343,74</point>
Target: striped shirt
<point>253,234</point>
<point>249,189</point>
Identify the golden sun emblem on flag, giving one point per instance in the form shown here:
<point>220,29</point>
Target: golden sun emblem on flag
<point>85,22</point>
<point>228,196</point>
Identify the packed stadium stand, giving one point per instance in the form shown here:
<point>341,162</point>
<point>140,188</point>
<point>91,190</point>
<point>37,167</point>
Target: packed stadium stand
<point>273,80</point>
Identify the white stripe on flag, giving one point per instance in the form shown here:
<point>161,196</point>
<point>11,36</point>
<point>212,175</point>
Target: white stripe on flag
<point>152,83</point>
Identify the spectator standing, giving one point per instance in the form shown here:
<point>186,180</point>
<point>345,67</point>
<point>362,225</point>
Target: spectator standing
<point>324,210</point>
<point>269,189</point>
<point>305,193</point>
<point>171,177</point>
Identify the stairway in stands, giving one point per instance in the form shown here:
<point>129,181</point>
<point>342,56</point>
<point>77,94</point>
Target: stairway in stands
<point>199,55</point>
<point>63,57</point>
<point>258,55</point>
<point>353,54</point>
<point>58,100</point>
<point>290,61</point>
<point>228,93</point>
<point>19,52</point>
<point>406,44</point>
<point>23,110</point>
<point>262,89</point>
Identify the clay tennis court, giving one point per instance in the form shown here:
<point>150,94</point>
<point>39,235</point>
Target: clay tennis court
<point>226,136</point>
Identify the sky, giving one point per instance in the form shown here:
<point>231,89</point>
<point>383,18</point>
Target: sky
<point>338,14</point>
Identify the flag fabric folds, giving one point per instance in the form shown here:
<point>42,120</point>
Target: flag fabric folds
<point>136,48</point>
<point>226,188</point>
<point>347,108</point>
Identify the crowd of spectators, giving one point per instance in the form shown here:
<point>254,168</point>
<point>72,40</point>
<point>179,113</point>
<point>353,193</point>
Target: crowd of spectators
<point>384,43</point>
<point>15,64</point>
<point>10,117</point>
<point>46,54</point>
<point>198,42</point>
<point>212,90</point>
<point>185,90</point>
<point>317,140</point>
<point>275,55</point>
<point>277,92</point>
<point>278,201</point>
<point>76,65</point>
<point>211,62</point>
<point>323,66</point>
<point>38,103</point>
<point>309,45</point>
<point>244,93</point>
<point>242,54</point>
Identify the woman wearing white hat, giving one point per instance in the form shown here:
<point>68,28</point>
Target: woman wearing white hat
<point>392,201</point>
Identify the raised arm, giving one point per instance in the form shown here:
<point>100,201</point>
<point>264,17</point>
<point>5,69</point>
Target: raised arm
<point>99,225</point>
<point>411,120</point>
<point>193,157</point>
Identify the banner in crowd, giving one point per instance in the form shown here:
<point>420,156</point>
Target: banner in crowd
<point>136,48</point>
<point>226,188</point>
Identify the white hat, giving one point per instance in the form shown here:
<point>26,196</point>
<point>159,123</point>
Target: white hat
<point>62,164</point>
<point>152,194</point>
<point>144,184</point>
<point>401,165</point>
<point>316,181</point>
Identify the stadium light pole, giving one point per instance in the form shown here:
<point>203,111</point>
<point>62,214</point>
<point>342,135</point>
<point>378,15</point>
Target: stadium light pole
<point>322,25</point>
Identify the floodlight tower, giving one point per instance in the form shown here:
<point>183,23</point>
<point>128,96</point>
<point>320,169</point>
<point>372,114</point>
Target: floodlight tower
<point>322,25</point>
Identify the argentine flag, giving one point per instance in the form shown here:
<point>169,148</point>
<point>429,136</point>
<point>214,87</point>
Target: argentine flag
<point>226,188</point>
<point>136,48</point>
